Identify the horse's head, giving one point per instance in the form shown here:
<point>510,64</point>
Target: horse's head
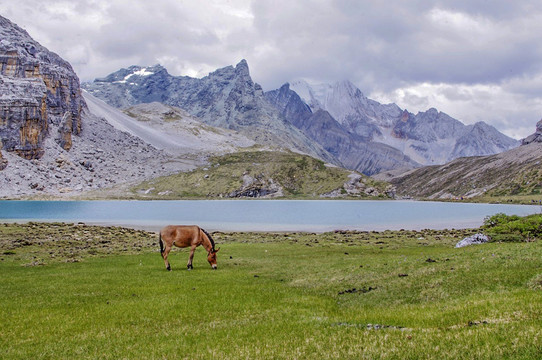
<point>211,258</point>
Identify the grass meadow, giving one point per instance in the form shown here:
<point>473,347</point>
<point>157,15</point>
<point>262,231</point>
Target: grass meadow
<point>344,295</point>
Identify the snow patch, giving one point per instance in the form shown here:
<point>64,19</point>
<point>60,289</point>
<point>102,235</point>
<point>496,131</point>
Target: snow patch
<point>140,72</point>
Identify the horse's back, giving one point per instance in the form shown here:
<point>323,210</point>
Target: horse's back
<point>180,235</point>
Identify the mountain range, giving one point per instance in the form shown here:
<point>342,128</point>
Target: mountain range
<point>336,123</point>
<point>429,137</point>
<point>56,139</point>
<point>226,98</point>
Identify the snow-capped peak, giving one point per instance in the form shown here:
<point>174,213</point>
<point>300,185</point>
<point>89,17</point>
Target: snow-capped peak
<point>312,93</point>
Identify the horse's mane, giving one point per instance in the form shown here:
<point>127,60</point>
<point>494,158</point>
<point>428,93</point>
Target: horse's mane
<point>210,238</point>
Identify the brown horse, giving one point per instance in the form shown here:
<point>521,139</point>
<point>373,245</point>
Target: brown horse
<point>184,236</point>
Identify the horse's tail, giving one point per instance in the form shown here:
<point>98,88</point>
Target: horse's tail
<point>161,244</point>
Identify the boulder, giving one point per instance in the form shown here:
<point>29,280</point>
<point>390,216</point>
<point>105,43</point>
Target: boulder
<point>475,239</point>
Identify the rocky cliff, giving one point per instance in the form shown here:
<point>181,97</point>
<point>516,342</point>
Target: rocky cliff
<point>39,95</point>
<point>226,98</point>
<point>3,162</point>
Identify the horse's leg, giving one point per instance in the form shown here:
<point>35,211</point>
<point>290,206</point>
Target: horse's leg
<point>164,255</point>
<point>192,250</point>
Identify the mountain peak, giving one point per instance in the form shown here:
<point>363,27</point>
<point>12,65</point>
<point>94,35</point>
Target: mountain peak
<point>242,68</point>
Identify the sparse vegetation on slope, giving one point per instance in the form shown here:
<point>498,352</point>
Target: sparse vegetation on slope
<point>514,176</point>
<point>267,174</point>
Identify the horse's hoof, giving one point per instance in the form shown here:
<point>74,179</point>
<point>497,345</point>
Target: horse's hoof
<point>168,268</point>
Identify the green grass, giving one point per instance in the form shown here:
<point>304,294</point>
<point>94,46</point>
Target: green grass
<point>275,296</point>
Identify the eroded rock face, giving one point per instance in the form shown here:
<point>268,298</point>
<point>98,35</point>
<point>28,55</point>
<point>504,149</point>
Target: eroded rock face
<point>428,138</point>
<point>39,95</point>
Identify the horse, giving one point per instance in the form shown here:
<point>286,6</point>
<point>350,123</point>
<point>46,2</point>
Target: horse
<point>184,236</point>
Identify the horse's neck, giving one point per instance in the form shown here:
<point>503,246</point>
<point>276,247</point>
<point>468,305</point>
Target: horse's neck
<point>206,243</point>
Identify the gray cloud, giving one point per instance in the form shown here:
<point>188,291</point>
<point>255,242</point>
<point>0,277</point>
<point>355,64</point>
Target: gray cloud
<point>474,59</point>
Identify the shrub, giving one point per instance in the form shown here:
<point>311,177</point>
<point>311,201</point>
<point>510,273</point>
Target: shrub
<point>499,219</point>
<point>502,227</point>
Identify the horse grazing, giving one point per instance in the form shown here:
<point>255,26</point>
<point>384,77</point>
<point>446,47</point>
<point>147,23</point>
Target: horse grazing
<point>184,236</point>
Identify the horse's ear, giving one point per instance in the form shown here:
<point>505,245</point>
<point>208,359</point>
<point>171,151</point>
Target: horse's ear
<point>217,250</point>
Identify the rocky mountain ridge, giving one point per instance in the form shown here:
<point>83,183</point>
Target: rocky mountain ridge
<point>226,98</point>
<point>336,122</point>
<point>353,150</point>
<point>428,138</point>
<point>51,145</point>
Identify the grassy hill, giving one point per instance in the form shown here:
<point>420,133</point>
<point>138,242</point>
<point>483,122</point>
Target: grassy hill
<point>514,175</point>
<point>263,174</point>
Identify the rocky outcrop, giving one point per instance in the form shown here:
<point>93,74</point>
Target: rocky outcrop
<point>259,187</point>
<point>23,116</point>
<point>39,95</point>
<point>536,137</point>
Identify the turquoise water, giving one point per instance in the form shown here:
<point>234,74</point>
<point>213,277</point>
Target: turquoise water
<point>263,215</point>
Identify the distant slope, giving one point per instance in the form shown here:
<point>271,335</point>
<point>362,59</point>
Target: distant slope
<point>168,128</point>
<point>188,130</point>
<point>264,174</point>
<point>514,172</point>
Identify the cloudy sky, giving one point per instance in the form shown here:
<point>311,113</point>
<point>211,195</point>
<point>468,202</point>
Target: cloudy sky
<point>473,59</point>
